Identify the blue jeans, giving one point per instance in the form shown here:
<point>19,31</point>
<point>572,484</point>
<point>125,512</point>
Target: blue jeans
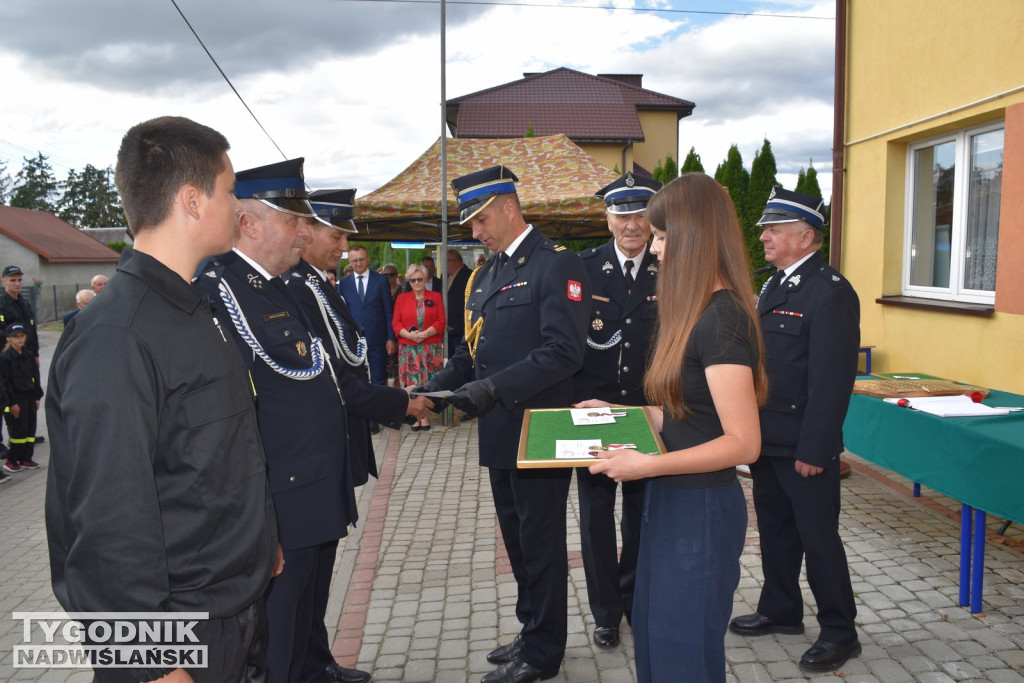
<point>687,572</point>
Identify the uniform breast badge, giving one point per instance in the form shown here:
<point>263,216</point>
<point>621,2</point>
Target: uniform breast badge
<point>300,346</point>
<point>597,325</point>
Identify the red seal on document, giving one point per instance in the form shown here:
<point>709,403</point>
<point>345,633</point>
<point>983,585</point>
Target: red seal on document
<point>575,291</point>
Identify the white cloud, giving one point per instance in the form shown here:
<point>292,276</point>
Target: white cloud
<point>361,113</point>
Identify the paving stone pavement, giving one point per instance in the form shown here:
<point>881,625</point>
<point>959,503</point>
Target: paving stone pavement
<point>423,589</point>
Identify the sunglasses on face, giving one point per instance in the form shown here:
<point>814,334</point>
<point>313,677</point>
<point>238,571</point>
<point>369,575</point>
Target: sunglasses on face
<point>415,279</point>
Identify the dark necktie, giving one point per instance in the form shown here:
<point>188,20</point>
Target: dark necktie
<point>502,260</point>
<point>359,287</point>
<point>774,283</point>
<point>629,275</point>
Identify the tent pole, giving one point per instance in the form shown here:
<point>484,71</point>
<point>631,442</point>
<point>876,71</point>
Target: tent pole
<point>442,259</point>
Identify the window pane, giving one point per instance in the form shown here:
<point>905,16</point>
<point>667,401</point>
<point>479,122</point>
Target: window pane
<point>983,211</point>
<point>934,173</point>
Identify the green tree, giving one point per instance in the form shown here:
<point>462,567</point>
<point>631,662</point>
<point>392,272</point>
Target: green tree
<point>762,181</point>
<point>807,183</point>
<point>529,130</point>
<point>734,177</point>
<point>90,199</point>
<point>692,163</point>
<point>658,172</point>
<point>671,170</point>
<point>5,183</point>
<point>34,185</point>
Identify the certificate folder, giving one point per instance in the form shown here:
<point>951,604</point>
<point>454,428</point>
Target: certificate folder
<point>543,427</point>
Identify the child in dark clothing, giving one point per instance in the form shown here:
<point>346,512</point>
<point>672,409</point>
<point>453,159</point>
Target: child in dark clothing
<point>19,379</point>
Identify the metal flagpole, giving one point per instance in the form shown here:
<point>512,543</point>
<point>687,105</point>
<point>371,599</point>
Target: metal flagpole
<point>447,415</point>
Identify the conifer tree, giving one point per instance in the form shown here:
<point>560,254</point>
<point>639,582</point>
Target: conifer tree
<point>692,163</point>
<point>34,185</point>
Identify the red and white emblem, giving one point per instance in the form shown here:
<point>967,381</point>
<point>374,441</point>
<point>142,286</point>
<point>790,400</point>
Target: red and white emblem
<point>575,291</point>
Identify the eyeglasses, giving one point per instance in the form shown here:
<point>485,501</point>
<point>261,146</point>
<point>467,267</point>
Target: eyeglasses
<point>414,279</point>
<point>391,274</point>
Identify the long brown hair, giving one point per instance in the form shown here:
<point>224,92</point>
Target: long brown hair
<point>703,245</point>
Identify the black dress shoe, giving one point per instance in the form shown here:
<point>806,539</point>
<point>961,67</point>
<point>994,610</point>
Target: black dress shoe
<point>336,672</point>
<point>759,625</point>
<point>606,636</point>
<point>506,653</point>
<point>826,656</point>
<point>516,671</point>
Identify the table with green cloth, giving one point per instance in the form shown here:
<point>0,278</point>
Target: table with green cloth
<point>974,460</point>
<point>543,427</point>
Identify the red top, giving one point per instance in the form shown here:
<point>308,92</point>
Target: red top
<point>405,315</point>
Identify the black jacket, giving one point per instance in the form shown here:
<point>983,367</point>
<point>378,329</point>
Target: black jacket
<point>156,496</point>
<point>18,311</point>
<point>19,376</point>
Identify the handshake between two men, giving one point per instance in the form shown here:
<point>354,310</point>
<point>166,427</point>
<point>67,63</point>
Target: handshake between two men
<point>473,398</point>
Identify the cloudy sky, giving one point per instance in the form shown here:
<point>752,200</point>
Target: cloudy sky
<point>354,85</point>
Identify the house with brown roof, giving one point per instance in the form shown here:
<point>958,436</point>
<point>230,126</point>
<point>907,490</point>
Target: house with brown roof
<point>611,116</point>
<point>56,257</point>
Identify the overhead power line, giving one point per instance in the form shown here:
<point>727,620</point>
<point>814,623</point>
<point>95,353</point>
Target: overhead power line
<point>659,10</point>
<point>228,80</point>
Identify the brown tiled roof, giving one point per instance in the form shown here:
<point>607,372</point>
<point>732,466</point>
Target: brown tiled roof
<point>55,240</point>
<point>585,108</point>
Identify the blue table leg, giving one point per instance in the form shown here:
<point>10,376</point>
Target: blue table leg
<point>917,490</point>
<point>965,554</point>
<point>978,564</point>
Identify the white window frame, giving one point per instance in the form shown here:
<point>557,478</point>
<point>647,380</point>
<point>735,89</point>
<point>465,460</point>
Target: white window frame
<point>958,236</point>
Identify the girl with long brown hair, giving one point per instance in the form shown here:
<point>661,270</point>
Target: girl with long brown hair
<point>706,378</point>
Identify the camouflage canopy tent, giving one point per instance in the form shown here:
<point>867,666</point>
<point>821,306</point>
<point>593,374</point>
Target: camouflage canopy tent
<point>557,181</point>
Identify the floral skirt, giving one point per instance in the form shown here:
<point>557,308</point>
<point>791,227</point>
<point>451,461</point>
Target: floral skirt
<point>418,363</point>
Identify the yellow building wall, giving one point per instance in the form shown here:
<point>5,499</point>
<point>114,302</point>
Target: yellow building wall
<point>661,138</point>
<point>609,155</point>
<point>661,133</point>
<point>916,69</point>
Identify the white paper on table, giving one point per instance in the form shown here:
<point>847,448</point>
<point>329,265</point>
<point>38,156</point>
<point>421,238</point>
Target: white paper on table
<point>950,406</point>
<point>592,416</point>
<point>575,449</point>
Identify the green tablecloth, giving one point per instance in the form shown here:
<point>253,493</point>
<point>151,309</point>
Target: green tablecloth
<point>975,460</point>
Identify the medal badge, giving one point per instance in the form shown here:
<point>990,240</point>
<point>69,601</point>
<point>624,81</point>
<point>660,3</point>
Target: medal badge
<point>597,325</point>
<point>300,346</point>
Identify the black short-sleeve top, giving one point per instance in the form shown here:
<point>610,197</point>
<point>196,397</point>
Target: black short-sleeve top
<point>724,335</point>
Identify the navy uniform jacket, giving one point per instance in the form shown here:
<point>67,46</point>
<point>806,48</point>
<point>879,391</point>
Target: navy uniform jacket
<point>811,327</point>
<point>616,374</point>
<point>363,401</point>
<point>302,422</point>
<point>531,343</point>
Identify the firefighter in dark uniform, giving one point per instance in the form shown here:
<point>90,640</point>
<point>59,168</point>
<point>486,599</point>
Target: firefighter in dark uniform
<point>623,313</point>
<point>810,318</point>
<point>525,334</point>
<point>301,414</point>
<point>333,323</point>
